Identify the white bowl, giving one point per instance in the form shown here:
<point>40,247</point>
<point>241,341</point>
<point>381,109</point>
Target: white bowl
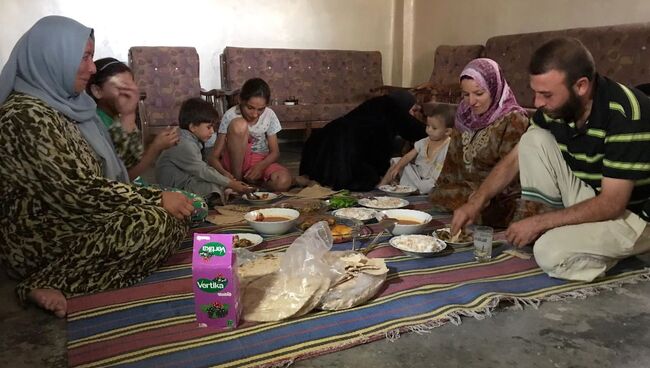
<point>422,218</point>
<point>274,227</point>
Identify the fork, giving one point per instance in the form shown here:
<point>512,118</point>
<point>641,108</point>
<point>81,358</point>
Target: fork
<point>387,225</point>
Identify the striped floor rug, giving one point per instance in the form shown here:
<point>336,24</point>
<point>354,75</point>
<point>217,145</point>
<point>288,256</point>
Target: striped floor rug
<point>153,325</point>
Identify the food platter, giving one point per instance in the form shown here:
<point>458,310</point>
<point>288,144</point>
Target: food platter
<point>418,245</point>
<point>444,235</point>
<point>246,240</point>
<point>342,228</point>
<point>357,213</point>
<point>383,203</point>
<point>260,197</point>
<point>398,190</point>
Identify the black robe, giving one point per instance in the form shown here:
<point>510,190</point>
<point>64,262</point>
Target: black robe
<point>353,152</point>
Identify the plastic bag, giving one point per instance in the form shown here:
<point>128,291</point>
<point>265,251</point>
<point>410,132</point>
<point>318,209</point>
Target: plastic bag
<point>302,280</point>
<point>352,291</point>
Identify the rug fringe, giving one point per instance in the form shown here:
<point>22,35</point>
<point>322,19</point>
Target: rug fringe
<point>518,303</point>
<point>455,318</point>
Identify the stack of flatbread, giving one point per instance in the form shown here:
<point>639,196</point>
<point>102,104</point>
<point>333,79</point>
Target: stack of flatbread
<point>313,192</point>
<point>229,214</point>
<point>362,279</point>
<point>257,268</point>
<point>275,297</point>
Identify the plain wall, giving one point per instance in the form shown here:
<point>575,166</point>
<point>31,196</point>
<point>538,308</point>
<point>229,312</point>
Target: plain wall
<point>211,25</point>
<point>445,22</point>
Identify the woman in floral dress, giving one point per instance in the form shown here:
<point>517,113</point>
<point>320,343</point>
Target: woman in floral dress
<point>489,123</point>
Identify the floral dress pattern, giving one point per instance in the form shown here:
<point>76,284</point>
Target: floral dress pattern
<point>470,158</point>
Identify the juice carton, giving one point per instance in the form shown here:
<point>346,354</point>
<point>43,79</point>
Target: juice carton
<point>216,286</point>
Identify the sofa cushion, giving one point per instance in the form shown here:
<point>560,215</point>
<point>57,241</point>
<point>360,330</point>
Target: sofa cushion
<point>312,76</point>
<point>449,62</point>
<point>168,76</point>
<point>621,52</point>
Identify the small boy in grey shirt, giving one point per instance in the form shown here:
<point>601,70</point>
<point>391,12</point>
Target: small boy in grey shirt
<point>182,166</point>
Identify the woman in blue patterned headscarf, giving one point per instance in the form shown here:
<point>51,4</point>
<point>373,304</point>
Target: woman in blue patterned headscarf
<point>71,222</point>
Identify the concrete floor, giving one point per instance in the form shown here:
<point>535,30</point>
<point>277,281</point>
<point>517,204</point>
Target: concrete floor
<point>608,330</point>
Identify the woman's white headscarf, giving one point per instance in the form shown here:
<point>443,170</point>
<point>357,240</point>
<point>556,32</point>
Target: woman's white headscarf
<point>44,64</point>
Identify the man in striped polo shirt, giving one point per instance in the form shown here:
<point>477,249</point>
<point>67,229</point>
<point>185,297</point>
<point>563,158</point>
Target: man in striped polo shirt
<point>587,155</point>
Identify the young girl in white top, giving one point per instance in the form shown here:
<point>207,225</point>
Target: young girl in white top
<point>421,166</point>
<point>247,145</point>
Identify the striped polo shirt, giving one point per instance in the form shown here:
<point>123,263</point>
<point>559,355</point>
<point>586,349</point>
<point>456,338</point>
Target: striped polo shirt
<point>614,143</point>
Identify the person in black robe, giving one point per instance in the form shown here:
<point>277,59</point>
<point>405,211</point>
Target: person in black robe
<point>353,152</point>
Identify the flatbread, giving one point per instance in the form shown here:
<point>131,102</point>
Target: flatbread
<point>351,293</point>
<point>315,299</point>
<point>518,253</point>
<point>276,297</point>
<point>259,267</point>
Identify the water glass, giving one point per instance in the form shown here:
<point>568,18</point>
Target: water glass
<point>483,243</point>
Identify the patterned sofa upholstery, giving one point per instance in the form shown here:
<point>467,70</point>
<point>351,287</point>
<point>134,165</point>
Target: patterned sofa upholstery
<point>166,76</point>
<point>621,52</point>
<point>326,83</point>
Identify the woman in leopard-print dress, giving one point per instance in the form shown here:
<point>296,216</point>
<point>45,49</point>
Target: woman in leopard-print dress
<point>489,123</point>
<point>69,221</point>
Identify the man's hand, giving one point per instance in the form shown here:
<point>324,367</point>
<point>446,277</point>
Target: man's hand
<point>254,173</point>
<point>465,215</point>
<point>524,232</point>
<point>177,204</point>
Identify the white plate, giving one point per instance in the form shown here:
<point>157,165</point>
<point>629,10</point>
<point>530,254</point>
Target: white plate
<point>357,213</point>
<point>398,190</point>
<point>269,198</point>
<point>455,245</point>
<point>253,238</point>
<point>418,245</point>
<point>383,203</point>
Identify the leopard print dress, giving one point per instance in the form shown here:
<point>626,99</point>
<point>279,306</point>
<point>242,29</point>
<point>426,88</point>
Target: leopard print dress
<point>63,225</point>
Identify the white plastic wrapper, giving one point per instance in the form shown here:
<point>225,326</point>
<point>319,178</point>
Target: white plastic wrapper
<point>300,283</point>
<point>350,291</point>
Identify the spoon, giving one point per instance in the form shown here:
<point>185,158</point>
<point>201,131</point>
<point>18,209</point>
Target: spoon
<point>387,225</point>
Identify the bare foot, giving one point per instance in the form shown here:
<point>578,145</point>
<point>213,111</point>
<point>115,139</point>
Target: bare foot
<point>303,181</point>
<point>51,300</point>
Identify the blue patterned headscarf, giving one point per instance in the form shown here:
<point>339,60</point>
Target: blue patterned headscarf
<point>44,64</point>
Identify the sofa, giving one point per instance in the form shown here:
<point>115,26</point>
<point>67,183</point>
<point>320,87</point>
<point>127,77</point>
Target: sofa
<point>621,52</point>
<point>166,76</point>
<point>325,83</point>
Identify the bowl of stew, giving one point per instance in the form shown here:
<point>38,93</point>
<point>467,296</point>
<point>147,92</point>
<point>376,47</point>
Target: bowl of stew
<point>408,221</point>
<point>272,221</point>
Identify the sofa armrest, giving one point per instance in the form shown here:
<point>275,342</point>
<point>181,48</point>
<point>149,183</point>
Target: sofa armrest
<point>449,93</point>
<point>219,98</point>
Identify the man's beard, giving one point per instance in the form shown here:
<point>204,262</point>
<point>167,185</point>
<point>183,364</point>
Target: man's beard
<point>572,110</point>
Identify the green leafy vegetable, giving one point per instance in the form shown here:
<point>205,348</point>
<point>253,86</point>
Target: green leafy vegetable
<point>342,200</point>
